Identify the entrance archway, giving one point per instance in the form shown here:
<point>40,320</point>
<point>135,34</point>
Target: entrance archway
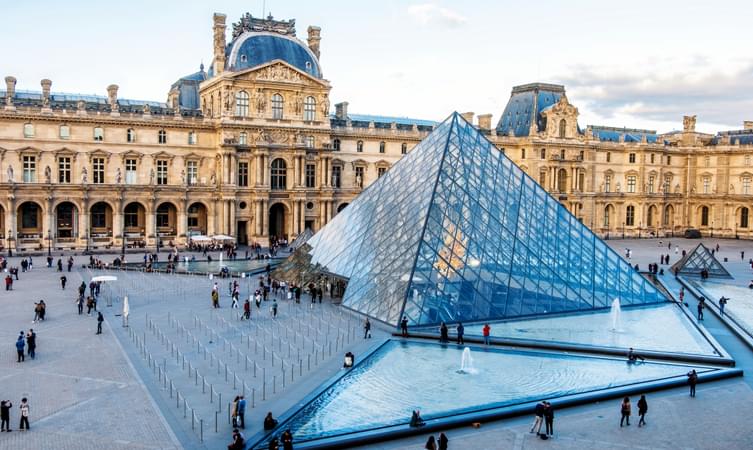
<point>277,220</point>
<point>167,218</point>
<point>29,220</point>
<point>197,219</point>
<point>66,220</point>
<point>562,180</point>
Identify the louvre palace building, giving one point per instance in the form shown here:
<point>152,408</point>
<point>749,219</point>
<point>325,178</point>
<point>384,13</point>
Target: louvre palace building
<point>251,147</point>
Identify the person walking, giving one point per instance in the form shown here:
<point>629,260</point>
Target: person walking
<point>443,442</point>
<point>642,410</point>
<point>549,419</point>
<point>538,412</point>
<point>366,330</point>
<point>274,308</point>
<point>20,345</point>
<point>80,303</point>
<point>404,326</point>
<point>63,280</point>
<point>247,309</point>
<point>5,407</point>
<point>24,425</point>
<point>287,440</point>
<point>701,305</point>
<point>692,381</point>
<point>443,333</point>
<point>242,412</point>
<point>625,411</point>
<point>431,444</point>
<point>31,343</point>
<point>487,330</point>
<point>215,298</point>
<point>461,331</point>
<point>100,319</point>
<point>234,411</point>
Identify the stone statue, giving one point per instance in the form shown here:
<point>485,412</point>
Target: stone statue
<point>618,186</point>
<point>298,103</point>
<point>183,176</point>
<point>10,174</point>
<point>47,174</point>
<point>84,175</point>
<point>261,101</point>
<point>80,105</point>
<point>118,176</point>
<point>359,181</point>
<point>213,180</point>
<point>147,108</point>
<point>151,176</point>
<point>688,123</point>
<point>325,106</point>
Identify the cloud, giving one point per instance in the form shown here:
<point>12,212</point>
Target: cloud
<point>667,92</point>
<point>430,14</point>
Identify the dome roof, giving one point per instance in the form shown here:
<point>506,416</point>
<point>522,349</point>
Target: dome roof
<point>251,49</point>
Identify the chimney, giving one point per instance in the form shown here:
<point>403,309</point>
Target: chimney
<point>219,43</point>
<point>747,125</point>
<point>468,116</point>
<point>341,110</point>
<point>46,85</point>
<point>314,38</point>
<point>485,121</point>
<point>10,92</point>
<point>112,98</point>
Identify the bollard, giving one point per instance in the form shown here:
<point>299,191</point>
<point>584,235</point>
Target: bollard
<point>185,406</point>
<point>201,430</point>
<point>274,384</point>
<point>253,395</point>
<point>193,419</point>
<point>215,421</point>
<point>219,401</point>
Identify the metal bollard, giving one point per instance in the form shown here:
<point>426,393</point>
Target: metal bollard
<point>201,430</point>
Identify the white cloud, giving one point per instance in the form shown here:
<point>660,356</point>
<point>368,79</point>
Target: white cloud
<point>429,14</point>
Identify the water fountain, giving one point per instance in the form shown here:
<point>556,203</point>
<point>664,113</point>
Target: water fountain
<point>466,362</point>
<point>615,314</point>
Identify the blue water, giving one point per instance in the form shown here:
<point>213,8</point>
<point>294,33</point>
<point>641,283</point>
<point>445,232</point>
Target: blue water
<point>238,265</point>
<point>401,377</point>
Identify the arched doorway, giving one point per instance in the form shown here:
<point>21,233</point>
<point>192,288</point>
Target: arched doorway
<point>277,221</point>
<point>66,221</point>
<point>29,220</point>
<point>608,219</point>
<point>341,207</point>
<point>562,180</point>
<point>100,224</point>
<point>669,217</point>
<point>197,219</point>
<point>278,174</point>
<point>167,219</point>
<point>651,216</point>
<point>134,215</point>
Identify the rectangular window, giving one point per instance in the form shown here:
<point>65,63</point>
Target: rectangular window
<point>161,172</point>
<point>631,183</point>
<point>65,132</point>
<point>359,177</point>
<point>130,171</point>
<point>98,170</point>
<point>64,169</point>
<point>522,153</point>
<point>381,171</point>
<point>542,178</point>
<point>746,185</point>
<point>667,180</point>
<point>99,134</point>
<point>669,160</point>
<point>631,158</point>
<point>336,176</point>
<point>191,138</point>
<point>607,183</point>
<point>310,175</point>
<point>609,156</point>
<point>309,141</point>
<point>30,169</point>
<point>192,172</point>
<point>652,158</point>
<point>242,174</point>
<point>706,185</point>
<point>651,183</point>
<point>581,155</point>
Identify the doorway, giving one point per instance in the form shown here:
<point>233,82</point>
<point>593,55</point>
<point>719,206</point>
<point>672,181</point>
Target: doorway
<point>277,220</point>
<point>242,234</point>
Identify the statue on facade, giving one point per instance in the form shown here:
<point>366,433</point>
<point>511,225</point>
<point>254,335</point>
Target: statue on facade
<point>298,103</point>
<point>325,106</point>
<point>151,176</point>
<point>359,181</point>
<point>261,101</point>
<point>213,180</point>
<point>47,174</point>
<point>147,108</point>
<point>81,105</point>
<point>618,186</point>
<point>10,174</point>
<point>84,175</point>
<point>183,176</point>
<point>118,176</point>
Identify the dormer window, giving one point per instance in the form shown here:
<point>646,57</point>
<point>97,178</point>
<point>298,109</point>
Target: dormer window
<point>99,134</point>
<point>65,132</point>
<point>359,146</point>
<point>243,58</point>
<point>131,135</point>
<point>162,136</point>
<point>28,130</point>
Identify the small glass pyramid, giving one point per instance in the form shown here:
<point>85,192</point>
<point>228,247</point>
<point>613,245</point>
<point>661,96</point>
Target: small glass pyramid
<point>455,231</point>
<point>699,259</point>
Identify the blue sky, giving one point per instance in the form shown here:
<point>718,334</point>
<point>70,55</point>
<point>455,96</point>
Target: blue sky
<point>635,64</point>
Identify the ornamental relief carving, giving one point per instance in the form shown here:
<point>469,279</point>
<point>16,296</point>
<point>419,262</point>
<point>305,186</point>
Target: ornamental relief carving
<point>278,72</point>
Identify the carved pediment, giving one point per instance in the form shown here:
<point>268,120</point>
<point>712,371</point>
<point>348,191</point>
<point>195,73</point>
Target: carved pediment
<point>278,71</point>
<point>130,154</point>
<point>163,155</point>
<point>98,154</point>
<point>273,137</point>
<point>28,151</point>
<point>194,157</point>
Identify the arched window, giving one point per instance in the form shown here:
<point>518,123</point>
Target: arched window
<point>607,213</point>
<point>336,145</point>
<point>381,147</point>
<point>162,136</point>
<point>359,146</point>
<point>704,216</point>
<point>743,217</point>
<point>630,216</point>
<point>277,103</point>
<point>65,132</point>
<point>309,109</point>
<point>131,135</point>
<point>28,130</point>
<point>404,148</point>
<point>279,174</point>
<point>563,127</point>
<point>241,104</point>
<point>650,217</point>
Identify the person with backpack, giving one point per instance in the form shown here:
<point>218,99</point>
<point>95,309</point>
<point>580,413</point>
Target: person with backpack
<point>5,407</point>
<point>539,418</point>
<point>642,410</point>
<point>692,381</point>
<point>625,411</point>
<point>549,419</point>
<point>20,345</point>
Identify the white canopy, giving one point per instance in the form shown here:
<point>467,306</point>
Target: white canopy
<point>200,238</point>
<point>126,306</point>
<point>222,237</point>
<point>105,278</point>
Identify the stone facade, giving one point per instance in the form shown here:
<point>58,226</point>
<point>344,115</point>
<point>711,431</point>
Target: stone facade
<point>261,155</point>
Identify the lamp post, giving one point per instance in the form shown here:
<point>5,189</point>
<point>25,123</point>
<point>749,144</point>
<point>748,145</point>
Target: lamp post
<point>623,230</point>
<point>87,241</point>
<point>10,243</point>
<point>122,239</point>
<point>49,242</point>
<point>712,228</point>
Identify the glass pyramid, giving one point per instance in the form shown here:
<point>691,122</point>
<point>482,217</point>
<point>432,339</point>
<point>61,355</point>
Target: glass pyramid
<point>455,231</point>
<point>697,260</point>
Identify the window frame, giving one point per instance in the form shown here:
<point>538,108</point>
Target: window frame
<point>241,104</point>
<point>98,134</point>
<point>242,178</point>
<point>278,175</point>
<point>98,170</point>
<point>64,169</point>
<point>310,175</point>
<point>29,130</point>
<point>162,169</point>
<point>309,109</point>
<point>162,136</point>
<point>29,164</point>
<point>278,106</point>
<point>131,175</point>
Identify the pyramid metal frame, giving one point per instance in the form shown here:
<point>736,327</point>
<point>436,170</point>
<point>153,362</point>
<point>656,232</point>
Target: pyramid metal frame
<point>698,259</point>
<point>455,231</point>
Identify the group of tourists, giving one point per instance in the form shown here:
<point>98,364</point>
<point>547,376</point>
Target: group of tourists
<point>5,409</point>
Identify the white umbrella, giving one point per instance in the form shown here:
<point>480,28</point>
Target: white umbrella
<point>222,237</point>
<point>201,238</point>
<point>126,311</point>
<point>105,278</point>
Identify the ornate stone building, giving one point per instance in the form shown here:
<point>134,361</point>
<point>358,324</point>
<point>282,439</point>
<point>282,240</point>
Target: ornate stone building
<point>250,149</point>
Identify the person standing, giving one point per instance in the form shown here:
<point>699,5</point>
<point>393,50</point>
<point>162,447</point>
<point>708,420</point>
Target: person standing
<point>287,440</point>
<point>20,345</point>
<point>642,410</point>
<point>431,444</point>
<point>274,308</point>
<point>234,411</point>
<point>692,381</point>
<point>80,303</point>
<point>5,407</point>
<point>404,326</point>
<point>701,305</point>
<point>31,343</point>
<point>539,418</point>
<point>100,319</point>
<point>242,412</point>
<point>443,441</point>
<point>215,298</point>
<point>549,419</point>
<point>366,334</point>
<point>487,333</point>
<point>24,414</point>
<point>461,331</point>
<point>443,333</point>
<point>63,280</point>
<point>625,411</point>
<point>722,304</point>
<point>247,309</point>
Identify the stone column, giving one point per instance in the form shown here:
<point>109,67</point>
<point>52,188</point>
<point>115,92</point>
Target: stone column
<point>51,229</point>
<point>257,163</point>
<point>233,224</point>
<point>294,229</point>
<point>151,224</point>
<point>117,222</point>
<point>330,206</point>
<point>265,170</point>
<point>303,171</point>
<point>297,167</point>
<point>182,225</point>
<point>257,217</point>
<point>83,223</point>
<point>214,227</point>
<point>322,214</point>
<point>302,223</point>
<point>264,213</point>
<point>10,89</point>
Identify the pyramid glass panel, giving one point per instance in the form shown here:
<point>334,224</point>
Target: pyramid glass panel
<point>698,260</point>
<point>456,232</point>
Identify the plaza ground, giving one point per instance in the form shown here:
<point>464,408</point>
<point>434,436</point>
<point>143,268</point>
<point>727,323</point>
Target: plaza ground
<point>131,387</point>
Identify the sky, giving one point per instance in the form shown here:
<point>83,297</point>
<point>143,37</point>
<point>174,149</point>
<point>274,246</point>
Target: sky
<point>636,64</point>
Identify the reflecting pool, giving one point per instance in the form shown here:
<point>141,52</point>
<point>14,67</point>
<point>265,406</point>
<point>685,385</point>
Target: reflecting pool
<point>403,376</point>
<point>660,328</point>
<point>235,266</point>
<point>740,303</point>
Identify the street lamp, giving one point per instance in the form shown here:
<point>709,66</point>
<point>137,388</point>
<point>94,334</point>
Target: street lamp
<point>712,228</point>
<point>122,239</point>
<point>623,230</point>
<point>10,243</point>
<point>49,242</point>
<point>87,241</point>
